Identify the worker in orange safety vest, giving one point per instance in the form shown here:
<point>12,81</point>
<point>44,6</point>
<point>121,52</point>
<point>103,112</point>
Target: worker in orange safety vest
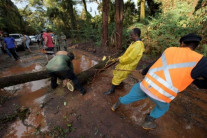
<point>172,73</point>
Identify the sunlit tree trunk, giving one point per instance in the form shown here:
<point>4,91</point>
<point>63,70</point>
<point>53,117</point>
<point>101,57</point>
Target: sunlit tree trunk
<point>105,23</point>
<point>195,2</point>
<point>71,13</point>
<point>119,22</point>
<point>142,10</point>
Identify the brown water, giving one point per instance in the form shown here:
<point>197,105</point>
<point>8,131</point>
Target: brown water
<point>19,69</point>
<point>32,94</point>
<point>82,62</point>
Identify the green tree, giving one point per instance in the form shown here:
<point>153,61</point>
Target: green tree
<point>11,20</point>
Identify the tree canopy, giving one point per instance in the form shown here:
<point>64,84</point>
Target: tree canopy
<point>164,22</point>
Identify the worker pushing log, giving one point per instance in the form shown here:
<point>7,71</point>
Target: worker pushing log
<point>61,67</point>
<point>128,61</point>
<point>27,77</point>
<point>175,70</point>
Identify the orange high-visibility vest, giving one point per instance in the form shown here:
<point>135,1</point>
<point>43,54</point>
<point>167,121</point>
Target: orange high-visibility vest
<point>171,73</point>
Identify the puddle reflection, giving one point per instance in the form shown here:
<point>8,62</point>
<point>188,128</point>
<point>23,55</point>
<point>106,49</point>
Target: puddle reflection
<point>32,95</point>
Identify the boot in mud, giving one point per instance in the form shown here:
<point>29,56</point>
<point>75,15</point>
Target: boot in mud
<point>111,90</point>
<point>116,105</point>
<point>120,86</point>
<point>83,91</point>
<point>78,86</point>
<point>149,123</point>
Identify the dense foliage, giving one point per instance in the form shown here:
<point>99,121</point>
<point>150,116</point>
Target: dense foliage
<point>10,19</point>
<point>166,20</point>
<point>166,28</point>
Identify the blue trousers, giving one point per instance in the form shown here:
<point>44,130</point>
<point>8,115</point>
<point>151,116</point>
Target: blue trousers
<point>137,94</point>
<point>8,53</point>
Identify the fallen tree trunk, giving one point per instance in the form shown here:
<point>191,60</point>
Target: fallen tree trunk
<point>23,78</point>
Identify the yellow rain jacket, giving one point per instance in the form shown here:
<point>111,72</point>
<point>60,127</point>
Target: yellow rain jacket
<point>128,61</point>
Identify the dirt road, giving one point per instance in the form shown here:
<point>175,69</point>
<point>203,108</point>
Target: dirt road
<point>68,114</point>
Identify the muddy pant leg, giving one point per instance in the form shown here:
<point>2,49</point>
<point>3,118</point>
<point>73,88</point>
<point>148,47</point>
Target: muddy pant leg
<point>78,86</point>
<point>7,51</point>
<point>135,94</point>
<point>119,76</point>
<point>160,108</point>
<point>14,54</point>
<point>27,44</point>
<point>38,42</point>
<point>53,80</point>
<point>57,47</point>
<point>65,48</point>
<point>72,76</point>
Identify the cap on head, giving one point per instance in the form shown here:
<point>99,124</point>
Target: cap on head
<point>190,38</point>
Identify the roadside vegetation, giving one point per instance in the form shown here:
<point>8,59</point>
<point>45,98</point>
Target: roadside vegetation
<point>163,23</point>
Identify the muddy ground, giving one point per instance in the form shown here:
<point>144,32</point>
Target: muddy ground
<point>54,113</point>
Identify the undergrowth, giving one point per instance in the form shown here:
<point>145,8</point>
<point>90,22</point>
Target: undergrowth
<point>166,29</point>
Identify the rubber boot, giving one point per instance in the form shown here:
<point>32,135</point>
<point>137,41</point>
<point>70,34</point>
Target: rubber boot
<point>116,105</point>
<point>120,86</point>
<point>111,90</point>
<point>149,123</point>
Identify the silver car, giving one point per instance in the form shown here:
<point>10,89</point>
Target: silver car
<point>33,38</point>
<point>19,39</point>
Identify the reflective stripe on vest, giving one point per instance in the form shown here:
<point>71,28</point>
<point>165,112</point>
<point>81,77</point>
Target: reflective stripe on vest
<point>168,83</point>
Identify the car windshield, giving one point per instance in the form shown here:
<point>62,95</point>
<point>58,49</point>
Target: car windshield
<point>15,36</point>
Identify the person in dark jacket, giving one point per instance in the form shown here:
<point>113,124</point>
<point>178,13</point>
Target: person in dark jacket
<point>61,66</point>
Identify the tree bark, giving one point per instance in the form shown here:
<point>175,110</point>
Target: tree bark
<point>142,10</point>
<point>119,22</point>
<point>85,6</point>
<point>83,77</point>
<point>71,13</point>
<point>105,23</point>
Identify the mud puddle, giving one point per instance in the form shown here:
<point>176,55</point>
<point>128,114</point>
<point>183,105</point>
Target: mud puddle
<point>82,62</point>
<point>18,69</point>
<point>31,95</point>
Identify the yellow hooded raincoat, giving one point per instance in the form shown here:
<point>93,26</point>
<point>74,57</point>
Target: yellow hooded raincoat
<point>128,61</point>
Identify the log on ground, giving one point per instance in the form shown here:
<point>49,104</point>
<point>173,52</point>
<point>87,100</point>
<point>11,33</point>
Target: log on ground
<point>27,77</point>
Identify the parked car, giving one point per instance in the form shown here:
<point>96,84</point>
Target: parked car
<point>33,38</point>
<point>19,39</point>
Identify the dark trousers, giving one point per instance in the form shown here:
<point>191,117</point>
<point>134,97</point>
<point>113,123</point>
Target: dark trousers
<point>14,53</point>
<point>67,74</point>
